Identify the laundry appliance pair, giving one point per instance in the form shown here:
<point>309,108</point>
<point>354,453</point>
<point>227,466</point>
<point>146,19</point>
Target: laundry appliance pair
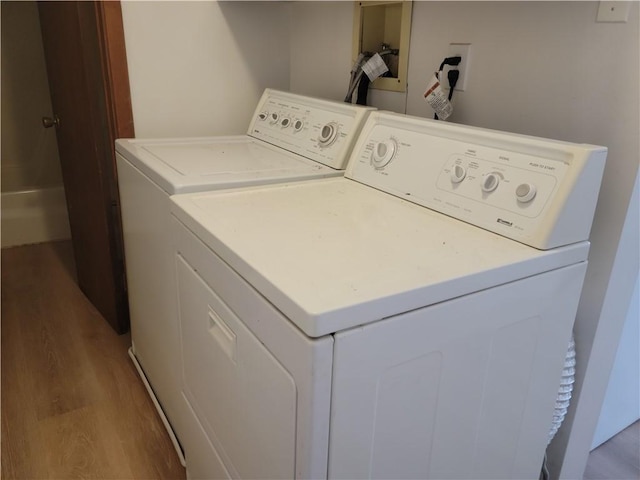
<point>409,319</point>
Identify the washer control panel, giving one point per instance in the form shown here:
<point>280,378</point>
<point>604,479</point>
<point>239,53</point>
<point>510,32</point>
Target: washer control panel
<point>537,191</point>
<point>321,130</point>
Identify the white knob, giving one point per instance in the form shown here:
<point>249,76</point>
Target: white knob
<point>274,118</point>
<point>383,153</point>
<point>285,122</point>
<point>328,134</point>
<point>458,173</point>
<point>525,192</point>
<point>297,125</point>
<point>262,116</point>
<point>490,182</point>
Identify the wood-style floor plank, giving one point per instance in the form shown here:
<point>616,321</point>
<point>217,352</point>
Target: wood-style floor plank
<point>20,436</point>
<point>73,405</point>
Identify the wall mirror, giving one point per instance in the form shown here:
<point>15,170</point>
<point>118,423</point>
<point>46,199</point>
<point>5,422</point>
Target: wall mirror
<point>384,27</point>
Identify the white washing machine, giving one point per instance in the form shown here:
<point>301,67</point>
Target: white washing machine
<point>409,320</point>
<point>291,137</point>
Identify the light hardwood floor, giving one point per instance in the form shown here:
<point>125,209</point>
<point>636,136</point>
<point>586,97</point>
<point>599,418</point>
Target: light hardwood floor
<point>73,405</point>
<point>618,458</point>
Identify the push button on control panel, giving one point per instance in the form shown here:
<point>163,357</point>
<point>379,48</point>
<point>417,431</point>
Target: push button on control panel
<point>525,192</point>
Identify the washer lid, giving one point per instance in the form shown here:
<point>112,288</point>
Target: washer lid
<point>333,254</point>
<point>188,165</point>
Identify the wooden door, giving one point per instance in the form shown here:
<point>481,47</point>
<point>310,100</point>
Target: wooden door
<point>86,64</point>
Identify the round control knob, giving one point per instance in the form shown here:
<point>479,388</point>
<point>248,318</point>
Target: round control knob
<point>262,116</point>
<point>525,192</point>
<point>328,134</point>
<point>274,118</point>
<point>490,182</point>
<point>297,125</point>
<point>285,122</point>
<point>458,173</point>
<point>383,152</point>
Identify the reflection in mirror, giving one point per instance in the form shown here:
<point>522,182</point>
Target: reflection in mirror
<point>380,32</point>
<point>384,27</point>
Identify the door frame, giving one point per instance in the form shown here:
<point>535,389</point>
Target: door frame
<point>119,116</point>
<point>116,73</point>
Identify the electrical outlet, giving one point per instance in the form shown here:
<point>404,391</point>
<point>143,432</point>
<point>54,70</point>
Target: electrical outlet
<point>464,50</point>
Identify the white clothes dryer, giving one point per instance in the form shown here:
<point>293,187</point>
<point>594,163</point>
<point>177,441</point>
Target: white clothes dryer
<point>290,137</point>
<point>409,320</point>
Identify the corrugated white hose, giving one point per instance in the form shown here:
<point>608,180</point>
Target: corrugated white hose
<point>566,389</point>
<point>563,399</point>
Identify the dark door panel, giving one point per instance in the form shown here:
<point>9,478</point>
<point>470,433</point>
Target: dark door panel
<point>80,68</point>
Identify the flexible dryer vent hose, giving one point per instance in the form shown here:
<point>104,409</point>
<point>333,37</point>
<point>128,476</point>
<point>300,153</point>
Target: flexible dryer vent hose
<point>566,388</point>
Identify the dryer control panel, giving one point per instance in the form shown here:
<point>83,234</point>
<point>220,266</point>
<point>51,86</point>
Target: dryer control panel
<point>321,130</point>
<point>508,181</point>
<point>537,191</point>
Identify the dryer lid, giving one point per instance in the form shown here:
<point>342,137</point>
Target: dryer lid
<point>333,254</point>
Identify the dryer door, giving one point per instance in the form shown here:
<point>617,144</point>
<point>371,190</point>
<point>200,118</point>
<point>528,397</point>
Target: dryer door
<point>242,396</point>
